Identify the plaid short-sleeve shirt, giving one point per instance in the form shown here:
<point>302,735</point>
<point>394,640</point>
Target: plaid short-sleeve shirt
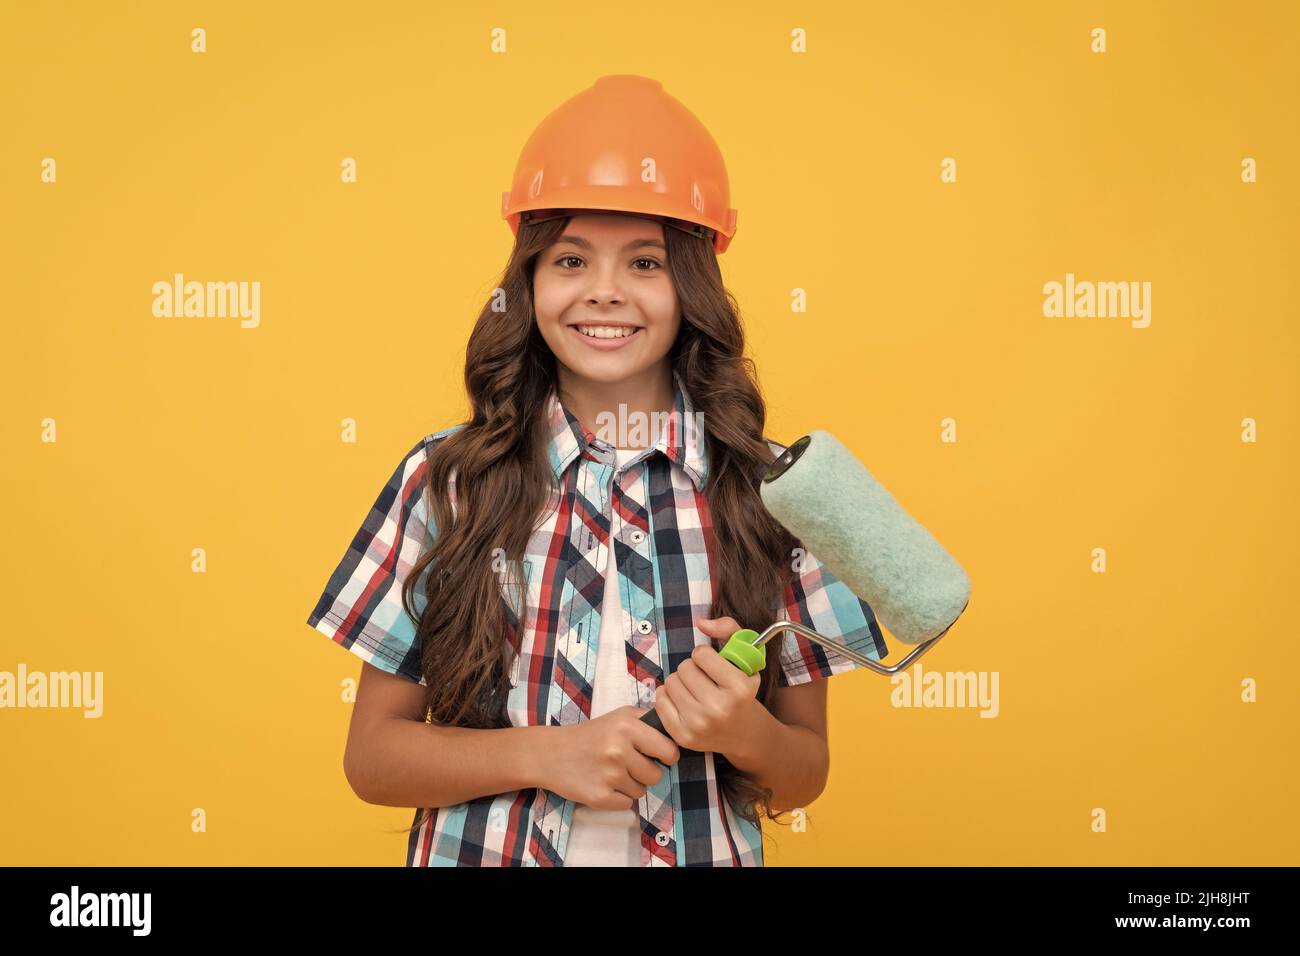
<point>654,513</point>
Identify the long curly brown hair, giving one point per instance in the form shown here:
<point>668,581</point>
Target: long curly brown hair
<point>502,473</point>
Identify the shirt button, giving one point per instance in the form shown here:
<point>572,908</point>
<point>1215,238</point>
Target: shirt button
<point>645,627</point>
<point>637,536</point>
<point>661,838</point>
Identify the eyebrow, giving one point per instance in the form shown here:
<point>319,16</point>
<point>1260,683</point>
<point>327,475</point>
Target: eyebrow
<point>583,243</point>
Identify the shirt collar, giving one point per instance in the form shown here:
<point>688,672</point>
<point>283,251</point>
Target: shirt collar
<point>682,439</point>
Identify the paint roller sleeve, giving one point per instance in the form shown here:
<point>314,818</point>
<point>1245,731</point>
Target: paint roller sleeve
<point>817,599</point>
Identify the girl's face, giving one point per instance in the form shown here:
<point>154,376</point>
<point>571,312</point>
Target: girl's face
<point>607,276</point>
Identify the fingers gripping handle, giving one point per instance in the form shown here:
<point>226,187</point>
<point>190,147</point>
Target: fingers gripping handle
<point>741,651</point>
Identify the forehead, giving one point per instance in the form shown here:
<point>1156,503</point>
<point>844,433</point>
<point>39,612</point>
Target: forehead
<point>599,226</point>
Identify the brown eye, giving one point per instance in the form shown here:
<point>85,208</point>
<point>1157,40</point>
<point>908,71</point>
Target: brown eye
<point>649,260</point>
<point>563,259</point>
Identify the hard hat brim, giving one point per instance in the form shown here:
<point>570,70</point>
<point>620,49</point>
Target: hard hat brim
<point>542,215</point>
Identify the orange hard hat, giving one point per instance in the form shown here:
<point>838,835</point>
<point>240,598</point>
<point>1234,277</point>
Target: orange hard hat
<point>624,145</point>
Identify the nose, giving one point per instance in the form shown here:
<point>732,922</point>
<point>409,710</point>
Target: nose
<point>604,298</point>
<point>605,287</point>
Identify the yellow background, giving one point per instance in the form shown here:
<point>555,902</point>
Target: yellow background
<point>1119,691</point>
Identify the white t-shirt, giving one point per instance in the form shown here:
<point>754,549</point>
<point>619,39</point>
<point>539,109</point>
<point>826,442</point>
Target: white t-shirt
<point>608,837</point>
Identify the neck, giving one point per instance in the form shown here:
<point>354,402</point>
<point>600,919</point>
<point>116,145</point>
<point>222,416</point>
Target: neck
<point>648,394</point>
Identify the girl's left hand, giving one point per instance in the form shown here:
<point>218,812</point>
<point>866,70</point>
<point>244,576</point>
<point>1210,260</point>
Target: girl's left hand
<point>707,703</point>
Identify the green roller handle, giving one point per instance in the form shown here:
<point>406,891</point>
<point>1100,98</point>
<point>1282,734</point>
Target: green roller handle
<point>741,652</point>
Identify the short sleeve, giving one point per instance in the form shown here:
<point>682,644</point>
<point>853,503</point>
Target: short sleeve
<point>361,606</point>
<point>818,600</point>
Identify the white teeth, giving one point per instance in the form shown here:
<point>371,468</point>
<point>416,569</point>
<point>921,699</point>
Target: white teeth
<point>606,331</point>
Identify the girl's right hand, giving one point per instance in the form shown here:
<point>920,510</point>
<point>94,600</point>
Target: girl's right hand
<point>604,763</point>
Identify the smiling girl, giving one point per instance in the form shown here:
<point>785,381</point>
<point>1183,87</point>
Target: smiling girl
<point>530,582</point>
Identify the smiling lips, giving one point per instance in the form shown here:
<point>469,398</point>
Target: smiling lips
<point>605,337</point>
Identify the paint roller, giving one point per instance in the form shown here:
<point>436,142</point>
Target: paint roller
<point>826,499</point>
